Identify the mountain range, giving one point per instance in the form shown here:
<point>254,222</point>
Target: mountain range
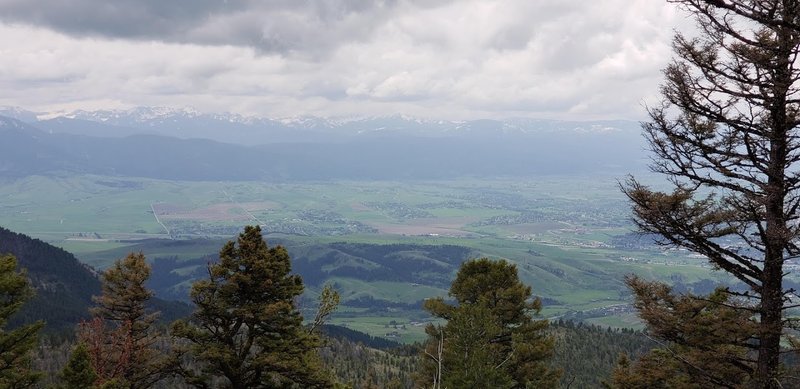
<point>188,145</point>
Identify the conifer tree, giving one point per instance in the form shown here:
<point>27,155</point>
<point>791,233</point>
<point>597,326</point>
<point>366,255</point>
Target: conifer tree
<point>246,331</point>
<point>15,345</point>
<point>490,339</point>
<point>726,135</point>
<point>79,373</point>
<point>704,340</point>
<point>120,337</point>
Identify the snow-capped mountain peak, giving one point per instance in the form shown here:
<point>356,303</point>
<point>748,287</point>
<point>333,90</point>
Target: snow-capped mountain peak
<point>138,114</point>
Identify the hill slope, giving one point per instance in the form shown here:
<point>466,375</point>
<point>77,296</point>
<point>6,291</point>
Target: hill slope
<point>64,286</point>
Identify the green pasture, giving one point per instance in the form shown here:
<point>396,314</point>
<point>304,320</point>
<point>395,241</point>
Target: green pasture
<point>405,329</point>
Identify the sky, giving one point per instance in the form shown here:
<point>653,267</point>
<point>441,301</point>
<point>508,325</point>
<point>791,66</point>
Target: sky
<point>442,59</point>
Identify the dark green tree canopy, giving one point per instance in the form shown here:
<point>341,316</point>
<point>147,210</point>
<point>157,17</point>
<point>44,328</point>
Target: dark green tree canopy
<point>704,340</point>
<point>496,285</point>
<point>79,373</point>
<point>490,339</point>
<point>246,331</point>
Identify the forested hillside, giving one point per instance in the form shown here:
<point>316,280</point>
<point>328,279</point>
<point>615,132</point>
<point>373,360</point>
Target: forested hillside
<point>585,354</point>
<point>63,286</point>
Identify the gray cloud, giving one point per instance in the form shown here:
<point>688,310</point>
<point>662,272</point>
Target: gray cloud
<point>306,27</point>
<point>443,58</point>
<point>146,19</point>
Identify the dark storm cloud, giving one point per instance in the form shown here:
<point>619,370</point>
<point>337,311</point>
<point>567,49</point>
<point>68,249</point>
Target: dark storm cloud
<point>146,19</point>
<point>282,26</point>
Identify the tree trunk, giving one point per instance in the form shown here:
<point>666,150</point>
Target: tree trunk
<point>776,232</point>
<point>771,325</point>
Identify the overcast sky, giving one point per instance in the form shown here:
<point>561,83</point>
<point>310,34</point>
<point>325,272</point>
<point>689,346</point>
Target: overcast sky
<point>459,59</point>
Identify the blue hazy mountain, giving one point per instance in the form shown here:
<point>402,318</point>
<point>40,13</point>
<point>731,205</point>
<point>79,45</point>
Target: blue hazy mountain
<point>185,145</point>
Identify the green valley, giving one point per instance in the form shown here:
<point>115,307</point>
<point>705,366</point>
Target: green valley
<point>385,245</point>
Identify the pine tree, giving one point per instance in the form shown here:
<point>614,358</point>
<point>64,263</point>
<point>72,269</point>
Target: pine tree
<point>78,373</point>
<point>705,340</point>
<point>120,337</point>
<point>726,135</point>
<point>15,345</point>
<point>246,331</point>
<point>490,339</point>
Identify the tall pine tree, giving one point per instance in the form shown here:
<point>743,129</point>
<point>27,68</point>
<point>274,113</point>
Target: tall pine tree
<point>726,135</point>
<point>490,339</point>
<point>120,337</point>
<point>246,331</point>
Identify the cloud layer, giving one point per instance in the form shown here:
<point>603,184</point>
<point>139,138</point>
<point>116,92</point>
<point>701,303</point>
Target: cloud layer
<point>445,59</point>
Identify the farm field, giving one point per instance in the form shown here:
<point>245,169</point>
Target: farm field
<point>96,208</point>
<point>386,246</point>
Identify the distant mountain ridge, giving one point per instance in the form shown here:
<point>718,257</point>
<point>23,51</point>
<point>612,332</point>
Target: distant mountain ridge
<point>187,145</point>
<point>250,130</point>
